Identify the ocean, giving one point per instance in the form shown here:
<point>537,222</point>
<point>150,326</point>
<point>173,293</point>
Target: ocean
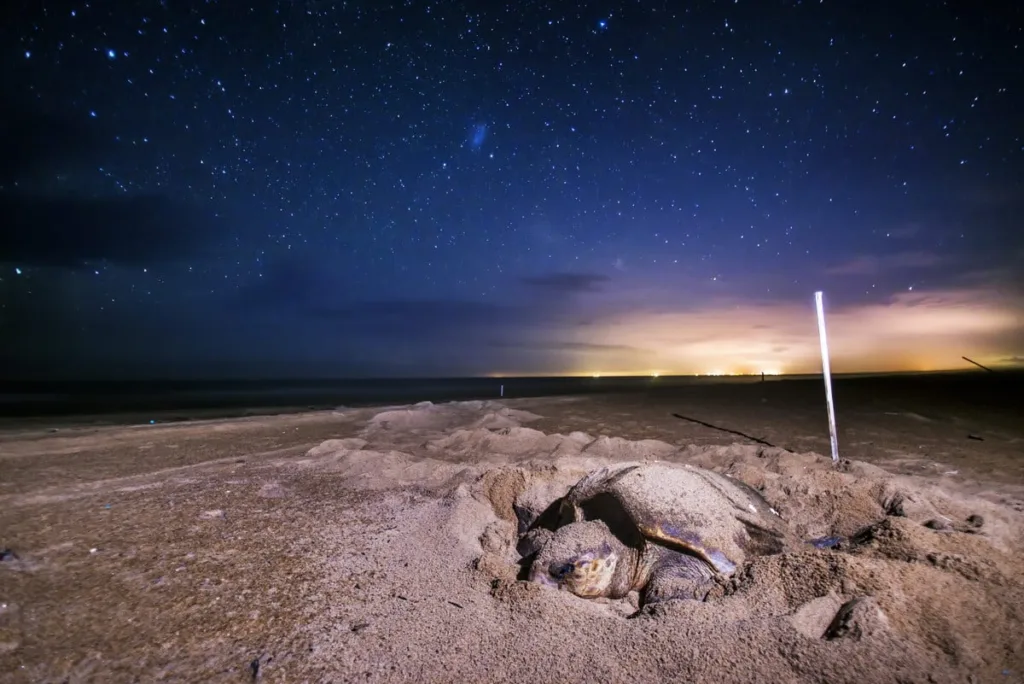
<point>186,398</point>
<point>25,399</point>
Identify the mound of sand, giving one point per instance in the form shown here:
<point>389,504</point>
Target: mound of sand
<point>394,554</point>
<point>427,416</point>
<point>928,588</point>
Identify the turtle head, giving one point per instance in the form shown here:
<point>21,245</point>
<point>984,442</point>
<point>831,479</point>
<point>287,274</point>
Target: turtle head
<point>587,574</point>
<point>585,559</point>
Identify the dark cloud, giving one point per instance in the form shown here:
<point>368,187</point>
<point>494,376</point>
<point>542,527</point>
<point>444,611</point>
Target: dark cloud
<point>33,142</point>
<point>877,264</point>
<point>293,290</point>
<point>566,346</point>
<point>567,283</point>
<point>288,283</point>
<point>42,228</point>
<point>420,316</point>
<point>905,231</point>
<point>131,230</point>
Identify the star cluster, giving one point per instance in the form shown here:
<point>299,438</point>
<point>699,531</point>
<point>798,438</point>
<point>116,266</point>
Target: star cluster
<point>336,188</point>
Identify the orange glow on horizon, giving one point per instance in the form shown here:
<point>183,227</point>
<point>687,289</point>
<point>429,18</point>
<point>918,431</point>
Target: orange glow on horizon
<point>913,331</point>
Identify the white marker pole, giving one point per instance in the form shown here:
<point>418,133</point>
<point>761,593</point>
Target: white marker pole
<point>502,391</point>
<point>827,371</point>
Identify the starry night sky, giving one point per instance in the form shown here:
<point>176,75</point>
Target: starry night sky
<point>330,189</point>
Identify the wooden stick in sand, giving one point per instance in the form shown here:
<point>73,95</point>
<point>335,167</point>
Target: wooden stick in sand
<point>827,372</point>
<point>978,364</point>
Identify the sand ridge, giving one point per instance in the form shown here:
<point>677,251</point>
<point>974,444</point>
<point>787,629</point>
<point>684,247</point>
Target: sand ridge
<point>390,554</point>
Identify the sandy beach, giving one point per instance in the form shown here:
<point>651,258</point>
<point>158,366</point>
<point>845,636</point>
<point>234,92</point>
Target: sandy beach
<point>380,544</point>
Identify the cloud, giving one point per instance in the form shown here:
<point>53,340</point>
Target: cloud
<point>567,283</point>
<point>558,356</point>
<point>420,316</point>
<point>42,228</point>
<point>562,346</point>
<point>396,333</point>
<point>284,283</point>
<point>911,330</point>
<point>302,319</point>
<point>297,289</point>
<point>33,142</point>
<point>1005,276</point>
<point>294,294</point>
<point>992,193</point>
<point>303,289</point>
<point>904,231</point>
<point>129,230</point>
<point>873,265</point>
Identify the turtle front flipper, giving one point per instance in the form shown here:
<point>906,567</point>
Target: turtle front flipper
<point>691,544</point>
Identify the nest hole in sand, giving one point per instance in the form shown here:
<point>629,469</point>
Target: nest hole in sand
<point>871,513</point>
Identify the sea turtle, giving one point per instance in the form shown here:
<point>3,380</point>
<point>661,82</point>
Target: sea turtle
<point>664,529</point>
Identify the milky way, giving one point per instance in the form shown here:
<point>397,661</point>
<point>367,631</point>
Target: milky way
<point>441,188</point>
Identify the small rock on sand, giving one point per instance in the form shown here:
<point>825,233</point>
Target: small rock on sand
<point>813,618</point>
<point>858,618</point>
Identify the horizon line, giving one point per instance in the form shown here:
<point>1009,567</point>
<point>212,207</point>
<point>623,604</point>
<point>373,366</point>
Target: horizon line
<point>503,376</point>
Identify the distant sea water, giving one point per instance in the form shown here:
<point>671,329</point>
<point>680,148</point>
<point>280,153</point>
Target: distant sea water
<point>238,397</point>
<point>227,397</point>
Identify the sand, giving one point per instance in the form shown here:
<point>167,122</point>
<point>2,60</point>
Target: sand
<point>379,544</point>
